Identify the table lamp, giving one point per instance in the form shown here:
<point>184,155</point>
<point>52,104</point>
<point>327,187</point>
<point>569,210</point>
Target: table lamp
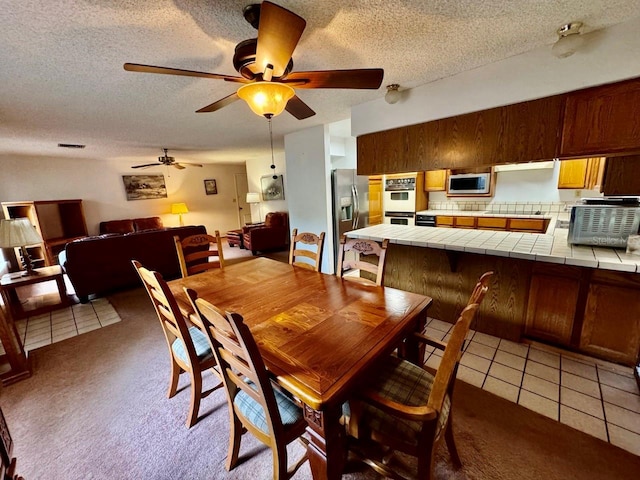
<point>179,209</point>
<point>19,232</point>
<point>252,199</point>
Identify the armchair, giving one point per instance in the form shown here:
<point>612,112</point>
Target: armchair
<point>273,234</point>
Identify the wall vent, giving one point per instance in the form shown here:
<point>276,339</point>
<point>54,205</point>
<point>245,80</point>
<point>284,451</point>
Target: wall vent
<point>71,145</point>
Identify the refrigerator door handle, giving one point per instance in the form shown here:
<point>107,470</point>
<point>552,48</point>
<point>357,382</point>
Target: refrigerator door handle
<point>356,212</point>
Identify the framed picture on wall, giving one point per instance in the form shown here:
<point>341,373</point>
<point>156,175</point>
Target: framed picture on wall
<point>144,187</point>
<point>272,188</point>
<point>210,187</point>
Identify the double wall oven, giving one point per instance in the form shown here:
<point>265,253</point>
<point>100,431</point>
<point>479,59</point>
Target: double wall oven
<point>399,200</point>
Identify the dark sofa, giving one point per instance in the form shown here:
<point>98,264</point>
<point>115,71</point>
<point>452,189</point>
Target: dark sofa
<point>102,264</point>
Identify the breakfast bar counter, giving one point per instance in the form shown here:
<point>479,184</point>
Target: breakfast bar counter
<point>549,247</point>
<point>576,297</point>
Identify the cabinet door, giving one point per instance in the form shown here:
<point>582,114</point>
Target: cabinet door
<point>465,222</point>
<point>435,181</point>
<point>573,173</point>
<point>611,329</point>
<point>552,308</point>
<point>602,120</point>
<point>528,225</point>
<point>621,176</point>
<point>375,200</point>
<point>444,221</point>
<point>492,223</point>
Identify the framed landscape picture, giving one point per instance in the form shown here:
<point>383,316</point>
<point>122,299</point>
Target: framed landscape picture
<point>144,187</point>
<point>210,187</point>
<point>272,188</point>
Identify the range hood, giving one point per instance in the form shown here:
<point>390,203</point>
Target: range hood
<point>524,166</point>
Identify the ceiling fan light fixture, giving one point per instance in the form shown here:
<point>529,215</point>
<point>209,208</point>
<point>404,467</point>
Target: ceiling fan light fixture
<point>267,99</point>
<point>393,94</point>
<point>569,40</point>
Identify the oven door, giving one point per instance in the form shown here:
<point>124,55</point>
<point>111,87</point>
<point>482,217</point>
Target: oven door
<point>399,218</point>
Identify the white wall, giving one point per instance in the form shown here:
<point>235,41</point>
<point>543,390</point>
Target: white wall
<point>608,55</point>
<point>309,185</point>
<point>99,184</point>
<point>258,168</point>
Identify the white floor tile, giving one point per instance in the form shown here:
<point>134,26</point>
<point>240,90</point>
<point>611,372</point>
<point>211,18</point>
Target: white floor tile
<point>622,417</point>
<point>502,389</point>
<point>488,340</point>
<point>474,361</point>
<point>624,439</point>
<point>542,371</point>
<point>539,404</point>
<point>546,358</point>
<point>510,360</point>
<point>481,350</point>
<point>580,384</point>
<point>470,376</point>
<point>585,423</point>
<point>621,398</point>
<point>621,382</point>
<point>579,368</point>
<point>581,402</point>
<point>541,387</point>
<point>506,374</point>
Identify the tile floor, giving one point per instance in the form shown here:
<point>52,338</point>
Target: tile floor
<point>593,396</point>
<point>68,322</point>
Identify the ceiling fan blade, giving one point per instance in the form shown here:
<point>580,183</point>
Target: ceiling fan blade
<point>217,105</point>
<point>279,31</point>
<point>147,165</point>
<point>136,67</point>
<point>191,164</point>
<point>178,166</point>
<point>298,108</point>
<point>366,78</point>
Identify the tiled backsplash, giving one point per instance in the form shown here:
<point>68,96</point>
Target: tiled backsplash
<point>500,207</point>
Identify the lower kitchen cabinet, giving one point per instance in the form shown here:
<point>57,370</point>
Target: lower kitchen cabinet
<point>595,312</point>
<point>611,324</point>
<point>552,306</point>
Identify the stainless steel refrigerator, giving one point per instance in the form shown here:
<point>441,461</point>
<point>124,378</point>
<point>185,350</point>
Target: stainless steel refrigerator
<point>350,204</point>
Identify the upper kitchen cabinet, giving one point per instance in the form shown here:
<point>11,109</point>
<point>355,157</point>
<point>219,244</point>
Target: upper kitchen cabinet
<point>602,120</point>
<point>621,176</point>
<point>435,180</point>
<point>526,131</point>
<point>582,173</point>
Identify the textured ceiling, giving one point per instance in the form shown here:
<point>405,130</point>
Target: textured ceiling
<point>62,77</point>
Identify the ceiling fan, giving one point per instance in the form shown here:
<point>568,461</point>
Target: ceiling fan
<point>169,162</point>
<point>265,66</point>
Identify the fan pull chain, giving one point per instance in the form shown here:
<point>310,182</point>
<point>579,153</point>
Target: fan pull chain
<point>273,165</point>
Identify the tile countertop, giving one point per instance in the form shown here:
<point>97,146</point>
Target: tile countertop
<point>549,247</point>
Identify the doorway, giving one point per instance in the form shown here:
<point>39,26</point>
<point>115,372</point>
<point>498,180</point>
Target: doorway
<point>244,210</point>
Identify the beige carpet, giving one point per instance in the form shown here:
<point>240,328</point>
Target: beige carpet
<point>96,408</point>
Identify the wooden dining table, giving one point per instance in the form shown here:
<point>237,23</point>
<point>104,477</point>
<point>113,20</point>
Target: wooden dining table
<point>319,335</point>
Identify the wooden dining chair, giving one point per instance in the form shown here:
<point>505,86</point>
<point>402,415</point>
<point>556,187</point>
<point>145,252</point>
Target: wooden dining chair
<point>295,251</point>
<point>350,260</point>
<point>269,413</point>
<point>407,408</point>
<point>189,349</point>
<point>199,253</point>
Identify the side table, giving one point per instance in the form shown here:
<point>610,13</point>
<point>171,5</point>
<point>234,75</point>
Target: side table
<point>10,282</point>
<point>234,238</point>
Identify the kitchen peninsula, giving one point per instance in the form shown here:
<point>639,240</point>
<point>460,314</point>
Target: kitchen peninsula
<point>582,298</point>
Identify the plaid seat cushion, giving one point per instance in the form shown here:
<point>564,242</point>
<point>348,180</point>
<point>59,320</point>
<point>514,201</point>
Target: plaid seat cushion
<point>408,384</point>
<point>200,342</point>
<point>290,413</point>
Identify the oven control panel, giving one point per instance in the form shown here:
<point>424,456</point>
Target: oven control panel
<point>400,184</point>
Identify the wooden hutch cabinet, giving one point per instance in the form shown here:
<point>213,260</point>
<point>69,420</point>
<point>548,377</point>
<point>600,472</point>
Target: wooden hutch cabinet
<point>57,221</point>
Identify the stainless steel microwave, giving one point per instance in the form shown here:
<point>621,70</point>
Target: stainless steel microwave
<point>469,183</point>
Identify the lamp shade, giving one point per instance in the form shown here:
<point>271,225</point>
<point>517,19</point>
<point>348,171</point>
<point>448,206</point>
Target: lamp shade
<point>18,232</point>
<point>266,98</point>
<point>179,208</point>
<point>253,198</point>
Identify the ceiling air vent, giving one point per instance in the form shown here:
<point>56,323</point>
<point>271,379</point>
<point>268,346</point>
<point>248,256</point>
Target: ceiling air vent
<point>70,145</point>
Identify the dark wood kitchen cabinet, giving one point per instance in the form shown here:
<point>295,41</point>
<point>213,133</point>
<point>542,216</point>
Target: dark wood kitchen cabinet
<point>621,176</point>
<point>526,131</point>
<point>611,324</point>
<point>602,120</point>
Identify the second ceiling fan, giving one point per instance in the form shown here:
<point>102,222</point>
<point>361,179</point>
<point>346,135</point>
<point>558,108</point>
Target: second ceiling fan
<point>265,66</point>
